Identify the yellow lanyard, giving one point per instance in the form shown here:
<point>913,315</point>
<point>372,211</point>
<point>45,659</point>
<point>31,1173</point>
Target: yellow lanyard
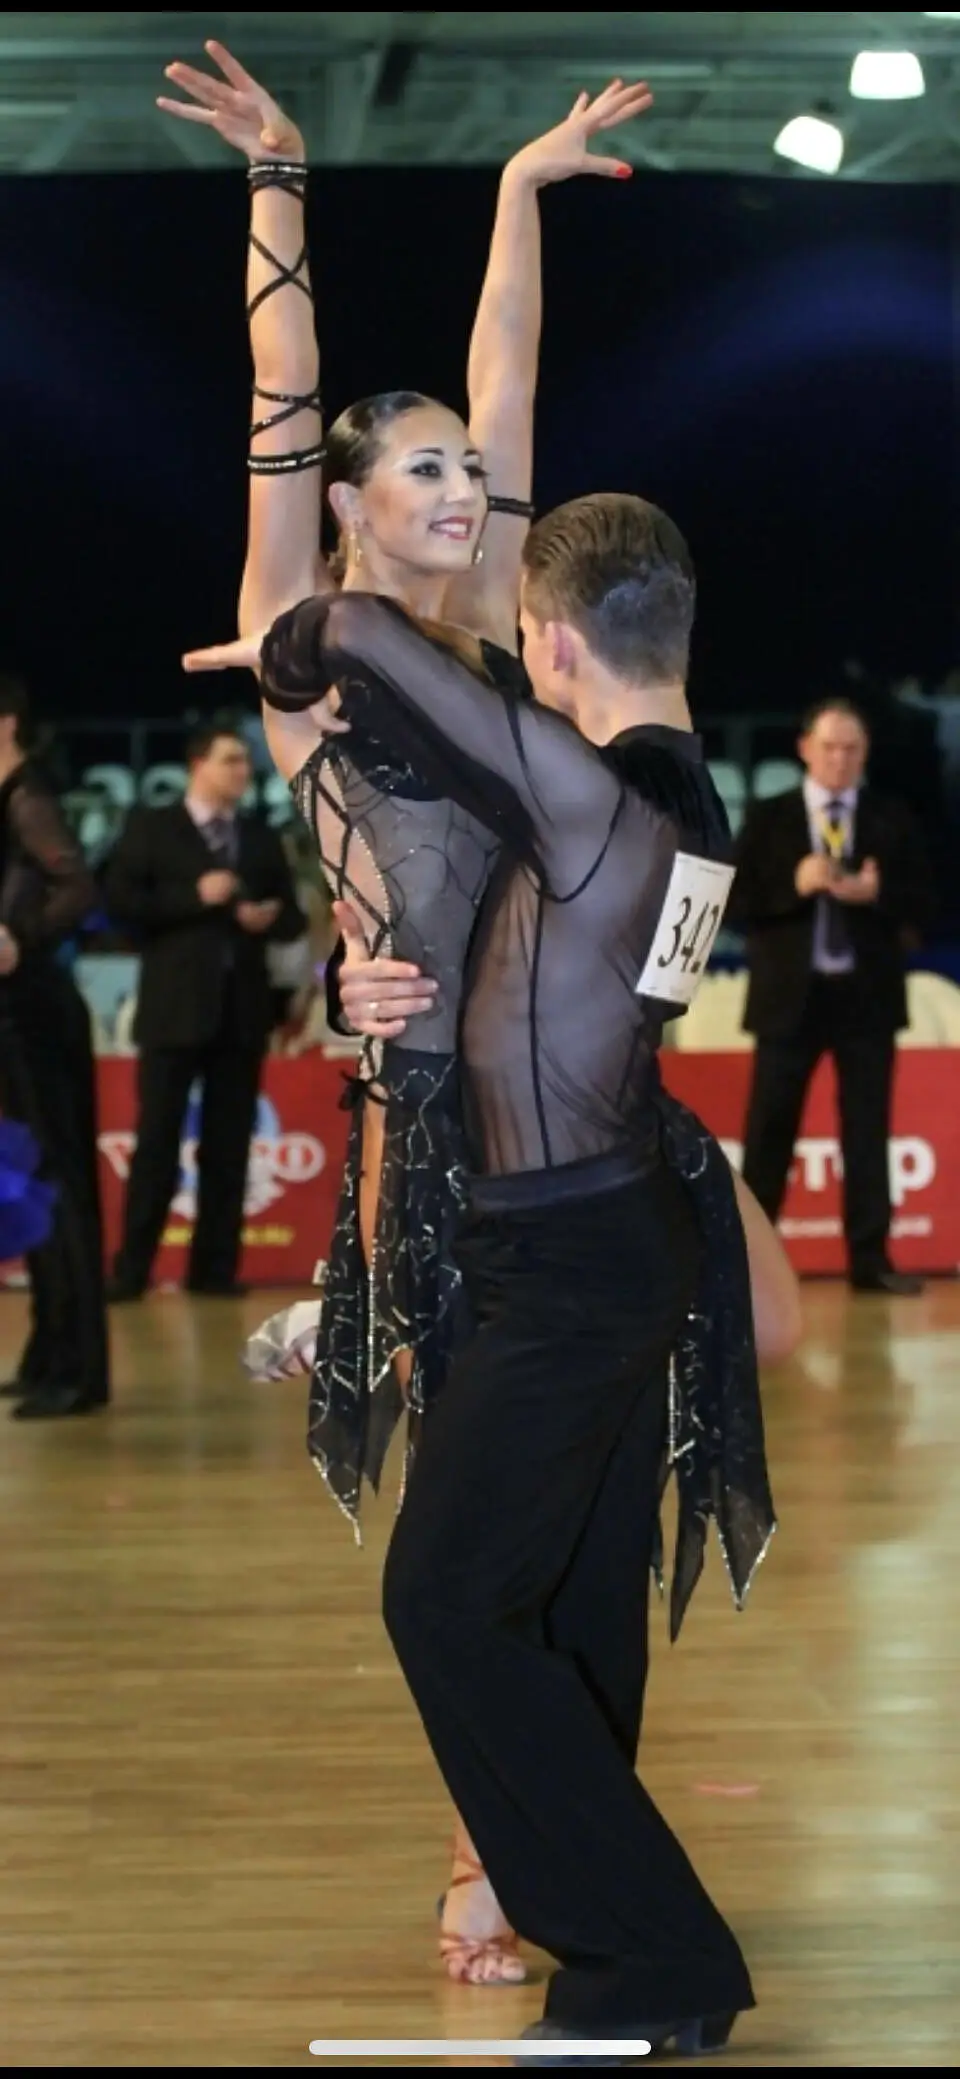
<point>834,836</point>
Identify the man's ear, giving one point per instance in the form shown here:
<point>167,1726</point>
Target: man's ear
<point>564,648</point>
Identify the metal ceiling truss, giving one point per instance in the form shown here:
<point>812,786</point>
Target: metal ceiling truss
<point>77,90</point>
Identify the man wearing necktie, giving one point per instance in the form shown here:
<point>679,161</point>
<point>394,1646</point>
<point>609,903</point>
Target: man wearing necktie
<point>205,890</point>
<point>833,888</point>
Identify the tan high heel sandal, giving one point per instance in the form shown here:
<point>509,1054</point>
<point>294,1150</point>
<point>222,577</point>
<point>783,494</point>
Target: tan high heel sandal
<point>476,1959</point>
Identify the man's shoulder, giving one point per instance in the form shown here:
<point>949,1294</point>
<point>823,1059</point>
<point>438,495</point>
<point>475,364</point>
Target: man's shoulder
<point>774,804</point>
<point>152,824</point>
<point>768,811</point>
<point>676,789</point>
<point>887,808</point>
<point>31,782</point>
<point>255,830</point>
<point>158,812</point>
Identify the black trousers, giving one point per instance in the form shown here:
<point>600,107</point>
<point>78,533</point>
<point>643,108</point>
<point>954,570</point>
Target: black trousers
<point>536,1483</point>
<point>782,1072</point>
<point>48,1081</point>
<point>231,1080</point>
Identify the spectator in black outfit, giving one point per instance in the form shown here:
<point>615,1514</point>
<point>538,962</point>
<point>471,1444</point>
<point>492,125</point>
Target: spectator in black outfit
<point>206,890</point>
<point>834,887</point>
<point>47,1077</point>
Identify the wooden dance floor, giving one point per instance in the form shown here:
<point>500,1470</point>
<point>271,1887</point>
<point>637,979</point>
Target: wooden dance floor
<point>222,1835</point>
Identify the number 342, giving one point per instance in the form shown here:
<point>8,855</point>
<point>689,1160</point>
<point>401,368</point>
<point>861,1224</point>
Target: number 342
<point>692,953</point>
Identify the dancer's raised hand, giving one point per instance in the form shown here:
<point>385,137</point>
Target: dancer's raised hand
<point>236,106</point>
<point>243,654</point>
<point>565,151</point>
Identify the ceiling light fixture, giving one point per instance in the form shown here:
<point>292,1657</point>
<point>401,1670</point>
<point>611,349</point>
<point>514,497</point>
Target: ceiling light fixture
<point>887,76</point>
<point>810,141</point>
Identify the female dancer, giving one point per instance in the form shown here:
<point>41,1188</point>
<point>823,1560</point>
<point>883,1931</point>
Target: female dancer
<point>406,481</point>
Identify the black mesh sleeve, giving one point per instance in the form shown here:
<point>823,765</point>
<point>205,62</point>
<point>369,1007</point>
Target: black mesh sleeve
<point>520,769</point>
<point>62,891</point>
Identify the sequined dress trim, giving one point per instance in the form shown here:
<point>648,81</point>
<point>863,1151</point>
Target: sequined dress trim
<point>410,1298</point>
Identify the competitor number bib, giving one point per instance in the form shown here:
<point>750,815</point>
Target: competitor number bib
<point>686,928</point>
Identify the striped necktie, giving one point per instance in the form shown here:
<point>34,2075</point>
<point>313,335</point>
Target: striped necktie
<point>220,837</point>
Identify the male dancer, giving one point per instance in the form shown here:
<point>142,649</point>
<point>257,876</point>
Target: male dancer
<point>583,1257</point>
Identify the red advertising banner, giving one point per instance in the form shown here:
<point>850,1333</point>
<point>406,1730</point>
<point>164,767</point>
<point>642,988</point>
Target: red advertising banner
<point>296,1158</point>
<point>924,1153</point>
<point>297,1153</point>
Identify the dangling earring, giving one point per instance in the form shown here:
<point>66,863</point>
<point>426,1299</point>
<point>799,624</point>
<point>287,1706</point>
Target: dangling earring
<point>478,554</point>
<point>356,552</point>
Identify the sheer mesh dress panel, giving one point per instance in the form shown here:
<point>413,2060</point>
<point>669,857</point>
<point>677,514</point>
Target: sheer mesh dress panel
<point>415,864</point>
<point>413,867</point>
<point>411,860</point>
<point>558,1048</point>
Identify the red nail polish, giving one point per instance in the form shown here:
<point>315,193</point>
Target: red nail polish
<point>624,172</point>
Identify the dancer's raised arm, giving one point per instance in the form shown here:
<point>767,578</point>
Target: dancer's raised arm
<point>505,350</point>
<point>283,535</point>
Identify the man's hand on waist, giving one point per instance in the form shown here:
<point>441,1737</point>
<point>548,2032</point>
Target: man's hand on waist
<point>377,995</point>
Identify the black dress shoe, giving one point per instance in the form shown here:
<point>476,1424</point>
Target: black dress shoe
<point>549,2032</point>
<point>703,2038</point>
<point>118,1294</point>
<point>900,1284</point>
<point>46,1403</point>
<point>228,1288</point>
<point>18,1388</point>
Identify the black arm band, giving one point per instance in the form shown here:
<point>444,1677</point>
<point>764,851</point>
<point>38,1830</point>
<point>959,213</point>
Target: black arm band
<point>297,458</point>
<point>286,465</point>
<point>290,174</point>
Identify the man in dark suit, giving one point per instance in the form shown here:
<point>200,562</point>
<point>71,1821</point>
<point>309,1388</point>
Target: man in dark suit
<point>206,890</point>
<point>833,888</point>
